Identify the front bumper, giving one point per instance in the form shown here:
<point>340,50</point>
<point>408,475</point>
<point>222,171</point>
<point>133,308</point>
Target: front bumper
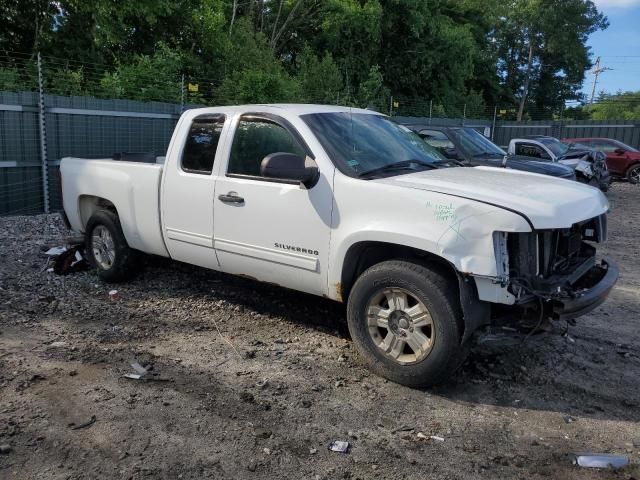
<point>595,286</point>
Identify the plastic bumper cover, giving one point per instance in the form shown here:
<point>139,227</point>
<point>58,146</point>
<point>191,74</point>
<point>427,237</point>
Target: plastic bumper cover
<point>605,276</point>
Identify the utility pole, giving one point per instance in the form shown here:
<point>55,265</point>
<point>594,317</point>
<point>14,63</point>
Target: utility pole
<point>596,71</point>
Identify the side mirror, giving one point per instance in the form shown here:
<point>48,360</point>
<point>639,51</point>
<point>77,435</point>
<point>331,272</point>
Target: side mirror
<point>289,166</point>
<point>619,151</point>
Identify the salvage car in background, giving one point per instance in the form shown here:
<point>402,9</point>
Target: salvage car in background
<point>590,164</point>
<point>346,204</point>
<point>470,148</point>
<point>622,160</point>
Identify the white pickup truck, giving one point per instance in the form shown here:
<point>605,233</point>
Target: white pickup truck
<point>589,164</point>
<point>346,204</point>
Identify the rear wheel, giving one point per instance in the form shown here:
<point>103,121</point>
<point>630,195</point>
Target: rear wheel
<point>633,175</point>
<point>107,248</point>
<point>405,321</point>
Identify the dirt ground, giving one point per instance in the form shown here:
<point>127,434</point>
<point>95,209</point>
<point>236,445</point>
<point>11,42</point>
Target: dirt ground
<point>253,381</point>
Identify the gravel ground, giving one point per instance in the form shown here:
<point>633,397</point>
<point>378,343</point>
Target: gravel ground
<point>254,381</point>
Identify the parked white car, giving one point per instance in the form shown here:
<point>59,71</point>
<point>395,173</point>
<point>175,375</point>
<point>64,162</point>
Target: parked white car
<point>346,204</point>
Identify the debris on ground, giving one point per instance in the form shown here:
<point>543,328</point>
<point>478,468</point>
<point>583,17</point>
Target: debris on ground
<point>86,424</point>
<point>436,438</point>
<point>5,449</point>
<point>599,460</point>
<point>114,295</point>
<point>55,251</point>
<point>568,419</point>
<point>141,373</point>
<point>70,261</point>
<point>339,446</point>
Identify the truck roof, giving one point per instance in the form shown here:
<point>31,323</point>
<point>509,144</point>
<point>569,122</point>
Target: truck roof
<point>292,108</point>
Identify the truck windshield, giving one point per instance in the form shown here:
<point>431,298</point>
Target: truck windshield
<point>475,144</point>
<point>363,142</point>
<point>556,146</point>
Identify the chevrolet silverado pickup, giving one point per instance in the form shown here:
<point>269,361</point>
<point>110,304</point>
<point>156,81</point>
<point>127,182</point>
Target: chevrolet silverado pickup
<point>346,204</point>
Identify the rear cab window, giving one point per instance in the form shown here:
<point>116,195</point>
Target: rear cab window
<point>530,150</point>
<point>200,148</point>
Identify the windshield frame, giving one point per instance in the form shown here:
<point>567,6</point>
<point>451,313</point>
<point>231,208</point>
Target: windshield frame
<point>335,132</point>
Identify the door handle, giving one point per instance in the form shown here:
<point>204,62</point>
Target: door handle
<point>231,197</point>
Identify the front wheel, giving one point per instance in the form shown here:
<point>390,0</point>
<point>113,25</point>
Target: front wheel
<point>405,321</point>
<point>107,248</point>
<point>633,175</point>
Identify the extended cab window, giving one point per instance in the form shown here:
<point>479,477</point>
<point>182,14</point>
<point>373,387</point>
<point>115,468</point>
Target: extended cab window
<point>202,142</point>
<point>255,139</point>
<point>530,150</point>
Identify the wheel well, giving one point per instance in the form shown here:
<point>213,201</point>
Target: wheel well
<point>363,255</point>
<point>89,204</point>
<point>634,164</point>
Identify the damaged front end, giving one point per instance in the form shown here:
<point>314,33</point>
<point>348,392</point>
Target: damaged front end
<point>556,271</point>
<point>590,167</point>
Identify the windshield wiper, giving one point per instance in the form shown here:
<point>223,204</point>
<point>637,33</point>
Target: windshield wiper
<point>488,154</point>
<point>404,165</point>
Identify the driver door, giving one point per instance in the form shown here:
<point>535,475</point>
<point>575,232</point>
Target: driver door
<point>273,230</point>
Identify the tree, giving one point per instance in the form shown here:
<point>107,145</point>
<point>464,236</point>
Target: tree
<point>320,79</point>
<point>542,53</point>
<point>620,106</point>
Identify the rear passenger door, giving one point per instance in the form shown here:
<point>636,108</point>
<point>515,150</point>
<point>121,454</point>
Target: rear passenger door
<point>273,230</point>
<point>187,193</point>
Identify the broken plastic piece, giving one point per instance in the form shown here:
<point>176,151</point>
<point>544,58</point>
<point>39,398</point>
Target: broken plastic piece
<point>55,251</point>
<point>339,446</point>
<point>114,295</point>
<point>139,368</point>
<point>133,376</point>
<point>436,438</point>
<point>599,460</point>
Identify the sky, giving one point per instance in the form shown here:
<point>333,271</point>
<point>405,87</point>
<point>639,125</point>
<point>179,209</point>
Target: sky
<point>618,46</point>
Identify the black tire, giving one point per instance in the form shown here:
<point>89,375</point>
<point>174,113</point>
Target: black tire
<point>633,175</point>
<point>125,264</point>
<point>438,294</point>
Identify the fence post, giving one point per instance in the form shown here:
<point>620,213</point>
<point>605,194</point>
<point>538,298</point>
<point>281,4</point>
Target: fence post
<point>464,113</point>
<point>430,110</point>
<point>493,124</point>
<point>391,106</point>
<point>182,94</point>
<point>43,138</point>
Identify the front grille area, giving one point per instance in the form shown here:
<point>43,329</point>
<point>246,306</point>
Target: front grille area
<point>551,260</point>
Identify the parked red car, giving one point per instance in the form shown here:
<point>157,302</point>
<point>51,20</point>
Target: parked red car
<point>622,160</point>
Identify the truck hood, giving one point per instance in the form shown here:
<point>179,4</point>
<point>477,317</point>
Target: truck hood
<point>528,164</point>
<point>546,202</point>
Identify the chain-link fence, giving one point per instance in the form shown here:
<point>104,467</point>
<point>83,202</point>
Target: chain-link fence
<point>51,108</point>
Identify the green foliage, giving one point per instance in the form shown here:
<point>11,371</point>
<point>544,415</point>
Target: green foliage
<point>373,93</point>
<point>145,78</point>
<point>455,52</point>
<point>10,80</point>
<point>14,79</point>
<point>320,79</point>
<point>259,86</point>
<point>621,106</point>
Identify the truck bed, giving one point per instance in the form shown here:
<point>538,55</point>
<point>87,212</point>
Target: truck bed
<point>132,187</point>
